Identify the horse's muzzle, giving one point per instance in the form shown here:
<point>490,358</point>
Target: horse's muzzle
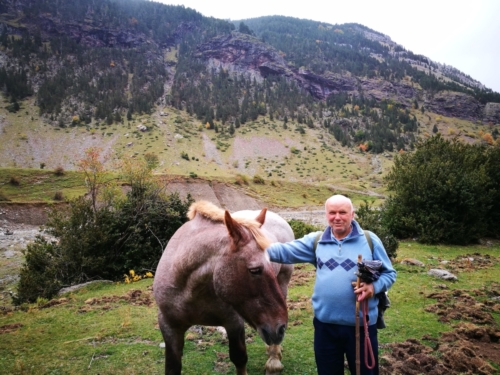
<point>273,337</point>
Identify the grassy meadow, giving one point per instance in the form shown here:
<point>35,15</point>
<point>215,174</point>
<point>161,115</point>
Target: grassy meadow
<point>112,329</point>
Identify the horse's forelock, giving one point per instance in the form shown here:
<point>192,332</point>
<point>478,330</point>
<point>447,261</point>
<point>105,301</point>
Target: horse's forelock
<point>260,238</point>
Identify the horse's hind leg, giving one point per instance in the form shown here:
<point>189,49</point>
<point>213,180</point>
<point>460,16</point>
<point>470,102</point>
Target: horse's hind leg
<point>273,364</point>
<point>174,346</point>
<point>237,348</point>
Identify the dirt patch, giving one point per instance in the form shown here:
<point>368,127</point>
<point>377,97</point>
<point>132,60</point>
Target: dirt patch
<point>55,302</point>
<point>19,214</point>
<point>8,328</point>
<point>471,262</point>
<point>461,305</point>
<point>468,349</point>
<point>135,297</point>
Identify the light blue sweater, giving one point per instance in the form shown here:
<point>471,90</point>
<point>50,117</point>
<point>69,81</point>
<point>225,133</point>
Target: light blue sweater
<point>333,298</point>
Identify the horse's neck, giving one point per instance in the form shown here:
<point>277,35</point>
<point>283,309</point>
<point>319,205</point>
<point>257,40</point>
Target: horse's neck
<point>198,250</point>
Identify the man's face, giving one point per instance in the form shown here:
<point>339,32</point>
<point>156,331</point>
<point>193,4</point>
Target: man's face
<point>339,215</point>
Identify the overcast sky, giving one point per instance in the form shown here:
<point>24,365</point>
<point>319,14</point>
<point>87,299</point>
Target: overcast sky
<point>463,34</point>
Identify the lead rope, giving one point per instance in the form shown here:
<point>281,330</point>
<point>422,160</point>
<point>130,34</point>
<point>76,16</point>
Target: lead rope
<point>368,343</point>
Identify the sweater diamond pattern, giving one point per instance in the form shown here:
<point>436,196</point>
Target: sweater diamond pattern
<point>331,264</point>
<point>348,264</point>
<point>320,263</point>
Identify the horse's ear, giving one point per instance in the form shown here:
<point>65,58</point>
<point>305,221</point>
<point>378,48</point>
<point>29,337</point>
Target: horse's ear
<point>262,216</point>
<point>233,227</point>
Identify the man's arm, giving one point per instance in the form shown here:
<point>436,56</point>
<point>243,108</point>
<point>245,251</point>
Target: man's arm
<point>297,251</point>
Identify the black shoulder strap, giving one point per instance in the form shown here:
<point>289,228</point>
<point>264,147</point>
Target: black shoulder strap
<point>367,235</point>
<point>369,239</point>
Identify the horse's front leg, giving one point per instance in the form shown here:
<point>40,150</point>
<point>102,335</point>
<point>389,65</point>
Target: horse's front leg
<point>273,364</point>
<point>174,346</point>
<point>237,348</point>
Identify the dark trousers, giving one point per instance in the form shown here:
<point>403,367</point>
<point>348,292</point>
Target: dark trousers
<point>333,341</point>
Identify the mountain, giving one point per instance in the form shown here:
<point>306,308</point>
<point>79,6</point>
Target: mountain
<point>276,96</point>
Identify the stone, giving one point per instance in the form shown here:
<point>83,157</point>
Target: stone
<point>442,274</point>
<point>413,262</point>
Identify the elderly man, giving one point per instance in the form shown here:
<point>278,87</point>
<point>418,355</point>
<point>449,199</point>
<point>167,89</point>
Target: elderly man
<point>335,256</point>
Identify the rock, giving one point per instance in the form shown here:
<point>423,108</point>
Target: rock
<point>442,274</point>
<point>80,286</point>
<point>379,89</point>
<point>455,104</point>
<point>491,113</point>
<point>412,262</point>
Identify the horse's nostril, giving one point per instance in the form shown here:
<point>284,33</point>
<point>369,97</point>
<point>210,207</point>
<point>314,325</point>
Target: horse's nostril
<point>281,330</point>
<point>267,336</point>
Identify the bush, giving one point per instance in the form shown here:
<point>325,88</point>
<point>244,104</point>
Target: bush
<point>300,229</point>
<point>58,196</point>
<point>444,192</point>
<point>14,181</point>
<point>101,244</point>
<point>241,180</point>
<point>258,180</point>
<point>371,219</point>
<point>59,171</point>
<point>39,273</point>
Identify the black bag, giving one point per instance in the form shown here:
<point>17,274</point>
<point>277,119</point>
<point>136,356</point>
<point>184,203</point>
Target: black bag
<point>368,272</point>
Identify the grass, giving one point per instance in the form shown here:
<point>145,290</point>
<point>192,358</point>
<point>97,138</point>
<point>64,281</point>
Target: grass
<point>38,185</point>
<point>93,333</point>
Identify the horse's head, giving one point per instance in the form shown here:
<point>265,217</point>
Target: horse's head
<point>245,279</point>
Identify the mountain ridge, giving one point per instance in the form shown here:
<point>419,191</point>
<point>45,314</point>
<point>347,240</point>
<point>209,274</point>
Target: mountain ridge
<point>141,77</point>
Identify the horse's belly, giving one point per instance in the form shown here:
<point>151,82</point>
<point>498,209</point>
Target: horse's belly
<point>206,310</point>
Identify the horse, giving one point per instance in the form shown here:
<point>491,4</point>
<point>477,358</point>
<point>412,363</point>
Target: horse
<point>215,272</point>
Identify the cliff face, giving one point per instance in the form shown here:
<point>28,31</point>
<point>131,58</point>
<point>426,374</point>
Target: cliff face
<point>245,54</point>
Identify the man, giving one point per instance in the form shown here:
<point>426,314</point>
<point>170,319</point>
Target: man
<point>333,299</point>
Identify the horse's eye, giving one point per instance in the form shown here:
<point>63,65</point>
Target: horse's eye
<point>255,271</point>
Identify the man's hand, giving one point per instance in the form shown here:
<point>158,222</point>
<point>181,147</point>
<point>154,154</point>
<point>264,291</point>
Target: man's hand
<point>364,291</point>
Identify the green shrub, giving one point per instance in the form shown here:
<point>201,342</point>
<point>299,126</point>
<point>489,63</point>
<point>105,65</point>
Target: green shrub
<point>300,229</point>
<point>241,180</point>
<point>444,192</point>
<point>39,276</point>
<point>14,181</point>
<point>59,171</point>
<point>102,243</point>
<point>370,219</point>
<point>258,180</point>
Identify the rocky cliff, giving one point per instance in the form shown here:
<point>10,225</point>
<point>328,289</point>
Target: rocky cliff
<point>244,54</point>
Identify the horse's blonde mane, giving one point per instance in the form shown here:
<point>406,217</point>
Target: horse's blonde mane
<point>211,212</point>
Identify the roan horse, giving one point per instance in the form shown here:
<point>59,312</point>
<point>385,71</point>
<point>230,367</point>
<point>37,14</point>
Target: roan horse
<point>215,272</point>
